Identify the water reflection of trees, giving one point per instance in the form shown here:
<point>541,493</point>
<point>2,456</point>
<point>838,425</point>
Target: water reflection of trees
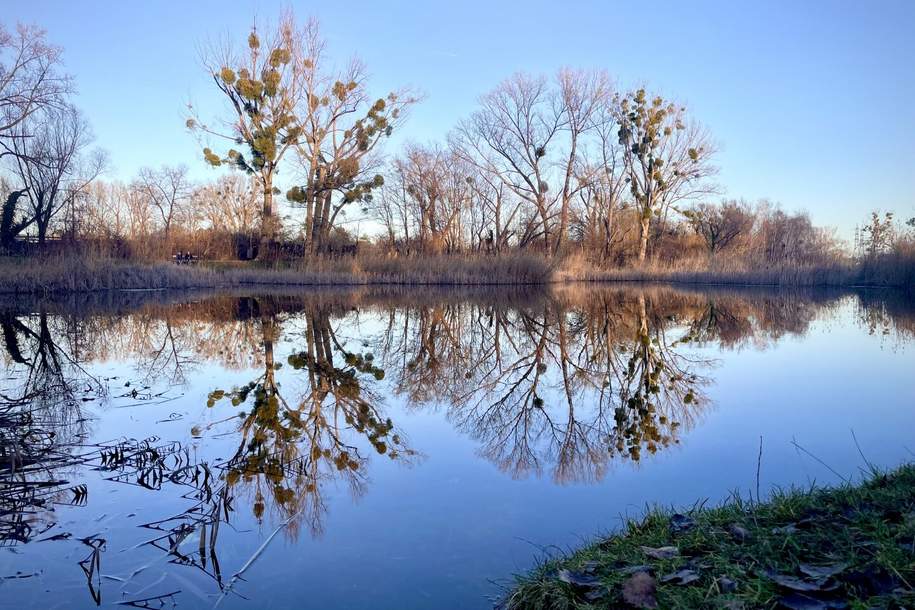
<point>45,357</point>
<point>41,418</point>
<point>887,313</point>
<point>564,382</point>
<point>291,446</point>
<point>568,384</point>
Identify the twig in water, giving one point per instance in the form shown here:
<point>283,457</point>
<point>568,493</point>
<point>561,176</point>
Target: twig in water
<point>148,602</point>
<point>758,467</point>
<point>254,557</point>
<point>870,465</point>
<point>830,468</point>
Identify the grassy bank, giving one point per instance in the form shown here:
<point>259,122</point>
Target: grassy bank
<point>846,547</point>
<point>78,274</point>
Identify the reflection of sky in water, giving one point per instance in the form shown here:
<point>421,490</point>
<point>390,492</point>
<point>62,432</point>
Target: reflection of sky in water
<point>434,531</point>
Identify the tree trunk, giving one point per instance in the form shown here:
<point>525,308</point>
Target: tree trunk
<point>544,221</point>
<point>42,231</point>
<point>324,226</point>
<point>643,237</point>
<point>268,223</point>
<point>269,334</point>
<point>309,218</point>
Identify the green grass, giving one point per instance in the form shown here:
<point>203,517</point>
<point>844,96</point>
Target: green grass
<point>865,532</point>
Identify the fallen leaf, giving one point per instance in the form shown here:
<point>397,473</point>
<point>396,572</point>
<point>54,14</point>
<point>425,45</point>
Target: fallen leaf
<point>640,590</point>
<point>787,529</point>
<point>726,585</point>
<point>799,601</point>
<point>798,584</point>
<point>681,577</point>
<point>664,552</point>
<point>871,579</point>
<point>634,569</point>
<point>579,579</point>
<point>681,523</point>
<point>822,572</point>
<point>739,533</point>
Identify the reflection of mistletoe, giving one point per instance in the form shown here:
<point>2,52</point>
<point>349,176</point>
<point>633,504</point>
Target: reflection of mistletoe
<point>653,379</point>
<point>286,451</point>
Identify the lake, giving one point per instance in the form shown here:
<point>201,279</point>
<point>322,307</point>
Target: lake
<point>394,448</point>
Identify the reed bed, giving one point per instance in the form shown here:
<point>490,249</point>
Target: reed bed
<point>58,275</point>
<point>85,274</point>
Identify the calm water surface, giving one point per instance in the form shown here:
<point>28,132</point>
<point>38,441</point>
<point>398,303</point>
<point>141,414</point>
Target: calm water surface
<point>410,449</point>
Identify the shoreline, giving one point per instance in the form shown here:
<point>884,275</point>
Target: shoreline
<point>802,548</point>
<point>61,276</point>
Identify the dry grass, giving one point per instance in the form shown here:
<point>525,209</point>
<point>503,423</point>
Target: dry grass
<point>81,274</point>
<point>893,268</point>
<point>53,275</point>
<point>693,273</point>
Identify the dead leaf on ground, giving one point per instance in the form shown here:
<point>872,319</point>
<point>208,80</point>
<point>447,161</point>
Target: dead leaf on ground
<point>634,569</point>
<point>681,577</point>
<point>681,523</point>
<point>871,579</point>
<point>739,533</point>
<point>663,552</point>
<point>726,585</point>
<point>579,579</point>
<point>799,584</point>
<point>593,595</point>
<point>799,601</point>
<point>640,590</point>
<point>822,572</point>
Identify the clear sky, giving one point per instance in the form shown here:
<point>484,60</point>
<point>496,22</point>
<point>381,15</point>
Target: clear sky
<point>811,102</point>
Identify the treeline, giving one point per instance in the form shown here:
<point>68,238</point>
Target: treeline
<point>568,165</point>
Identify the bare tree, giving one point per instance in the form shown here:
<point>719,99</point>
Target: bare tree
<point>30,79</point>
<point>167,191</point>
<point>508,138</point>
<point>230,204</point>
<point>391,210</point>
<point>529,134</point>
<point>581,96</point>
<point>433,190</point>
<point>781,238</point>
<point>52,165</point>
<point>495,213</point>
<point>603,195</point>
<point>719,225</point>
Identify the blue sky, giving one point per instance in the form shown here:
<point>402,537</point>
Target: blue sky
<point>810,102</point>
